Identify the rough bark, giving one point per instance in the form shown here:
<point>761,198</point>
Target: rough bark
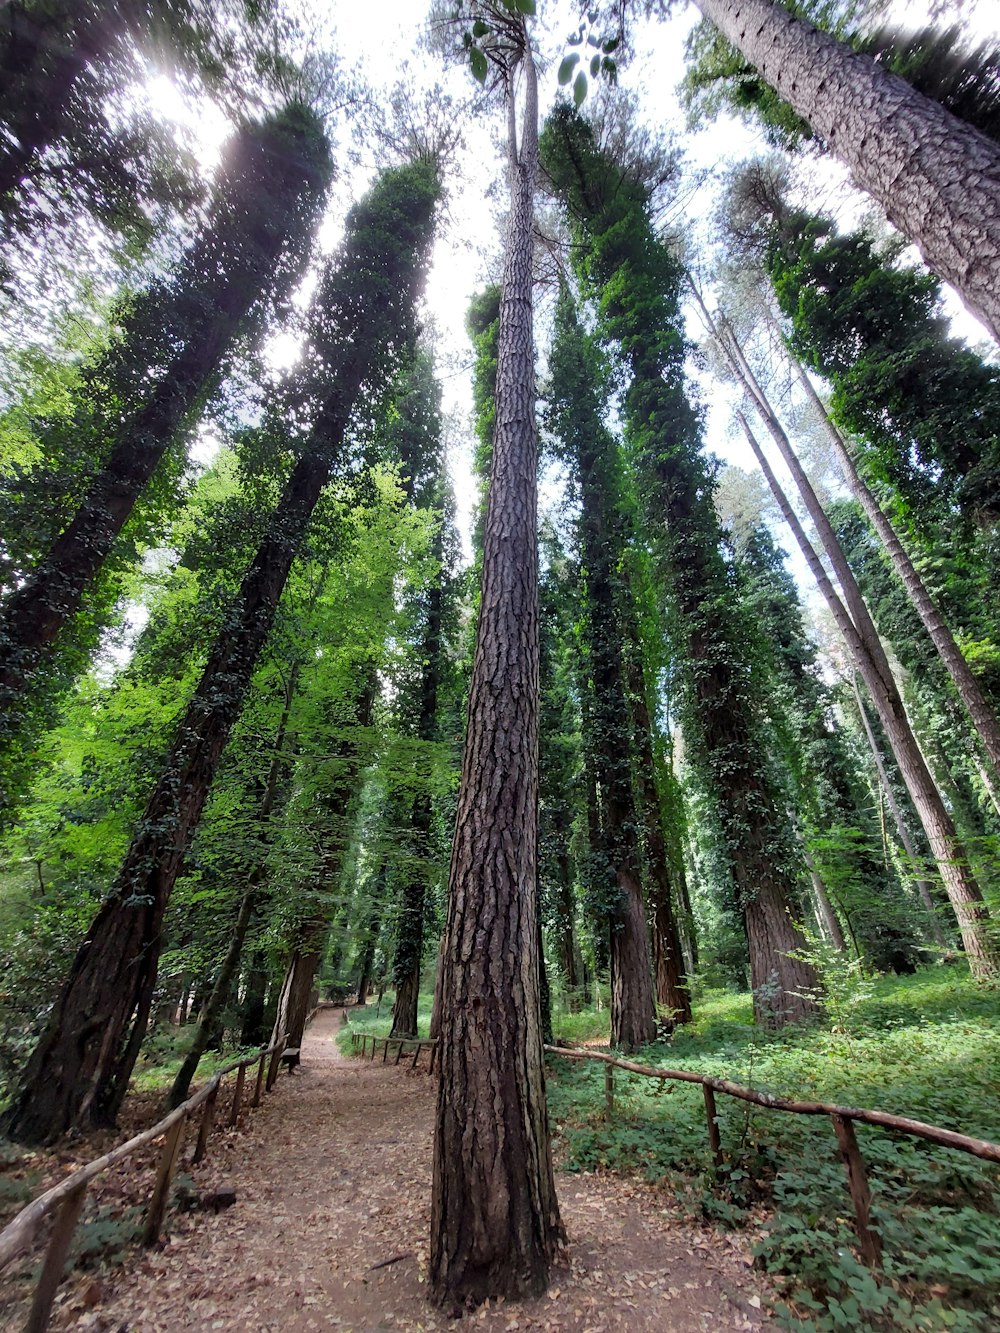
<point>937,177</point>
<point>254,1002</point>
<point>82,1061</point>
<point>269,201</point>
<point>963,892</point>
<point>293,1002</point>
<point>494,1216</point>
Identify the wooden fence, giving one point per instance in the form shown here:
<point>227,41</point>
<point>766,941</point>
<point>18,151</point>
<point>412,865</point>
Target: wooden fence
<point>842,1118</point>
<point>66,1198</point>
<point>361,1039</point>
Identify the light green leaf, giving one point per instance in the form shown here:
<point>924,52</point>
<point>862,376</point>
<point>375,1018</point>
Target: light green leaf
<point>567,66</point>
<point>526,6</point>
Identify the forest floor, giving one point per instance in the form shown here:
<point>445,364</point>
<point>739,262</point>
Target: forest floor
<point>329,1231</point>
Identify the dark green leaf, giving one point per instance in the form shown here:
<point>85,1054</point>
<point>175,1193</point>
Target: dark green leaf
<point>567,66</point>
<point>479,28</point>
<point>525,6</point>
<point>595,67</point>
<point>610,45</point>
<point>479,66</point>
<point>579,89</point>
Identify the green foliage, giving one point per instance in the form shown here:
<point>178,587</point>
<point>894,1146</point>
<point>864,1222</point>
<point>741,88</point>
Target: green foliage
<point>924,1046</point>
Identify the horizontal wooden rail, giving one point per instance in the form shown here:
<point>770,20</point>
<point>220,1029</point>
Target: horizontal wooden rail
<point>842,1118</point>
<point>67,1197</point>
<point>361,1039</point>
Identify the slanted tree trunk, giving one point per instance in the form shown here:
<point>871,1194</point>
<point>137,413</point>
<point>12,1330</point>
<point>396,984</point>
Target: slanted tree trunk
<point>867,652</point>
<point>984,717</point>
<point>855,623</point>
<point>269,201</point>
<point>937,177</point>
<point>914,861</point>
<point>85,1056</point>
<point>494,1216</point>
<point>824,909</point>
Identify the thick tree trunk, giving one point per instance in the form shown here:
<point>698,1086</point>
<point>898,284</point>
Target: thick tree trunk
<point>270,204</point>
<point>494,1216</point>
<point>963,892</point>
<point>293,1002</point>
<point>937,177</point>
<point>79,1059</point>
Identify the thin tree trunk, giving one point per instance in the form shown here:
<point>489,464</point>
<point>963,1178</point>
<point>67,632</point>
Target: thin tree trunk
<point>824,908</point>
<point>937,177</point>
<point>254,1002</point>
<point>902,832</point>
<point>984,717</point>
<point>114,972</point>
<point>963,892</point>
<point>863,640</point>
<point>494,1216</point>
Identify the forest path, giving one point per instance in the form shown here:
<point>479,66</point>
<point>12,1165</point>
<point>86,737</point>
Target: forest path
<point>333,1174</point>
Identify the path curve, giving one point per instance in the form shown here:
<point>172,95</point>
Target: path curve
<point>332,1176</point>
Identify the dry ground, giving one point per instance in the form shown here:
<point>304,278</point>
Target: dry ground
<point>329,1231</point>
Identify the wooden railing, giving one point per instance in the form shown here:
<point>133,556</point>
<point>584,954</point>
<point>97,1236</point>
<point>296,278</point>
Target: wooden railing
<point>66,1198</point>
<point>360,1039</point>
<point>842,1117</point>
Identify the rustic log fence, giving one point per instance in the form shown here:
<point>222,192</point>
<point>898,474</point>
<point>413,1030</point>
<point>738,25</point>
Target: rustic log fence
<point>361,1039</point>
<point>842,1118</point>
<point>66,1199</point>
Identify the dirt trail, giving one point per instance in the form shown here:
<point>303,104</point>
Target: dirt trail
<point>333,1180</point>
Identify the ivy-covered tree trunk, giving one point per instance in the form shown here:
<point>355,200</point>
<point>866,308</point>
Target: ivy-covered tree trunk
<point>936,176</point>
<point>576,417</point>
<point>672,993</point>
<point>494,1216</point>
<point>270,193</point>
<point>85,1056</point>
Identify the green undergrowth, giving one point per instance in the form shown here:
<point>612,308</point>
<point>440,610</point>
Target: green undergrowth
<point>926,1046</point>
<point>163,1054</point>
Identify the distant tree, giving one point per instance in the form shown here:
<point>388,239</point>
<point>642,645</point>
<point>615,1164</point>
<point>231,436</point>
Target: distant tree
<point>637,283</point>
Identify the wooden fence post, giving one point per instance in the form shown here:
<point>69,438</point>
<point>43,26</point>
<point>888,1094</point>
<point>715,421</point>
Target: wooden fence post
<point>417,1048</point>
<point>714,1138</point>
<point>274,1067</point>
<point>234,1114</point>
<point>609,1092</point>
<point>434,1051</point>
<point>55,1260</point>
<point>260,1081</point>
<point>205,1128</point>
<point>861,1195</point>
<point>164,1175</point>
